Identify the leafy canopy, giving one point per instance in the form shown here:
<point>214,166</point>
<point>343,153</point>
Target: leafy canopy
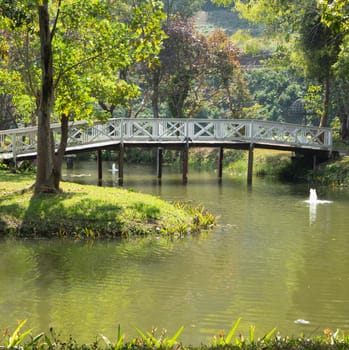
<point>92,40</point>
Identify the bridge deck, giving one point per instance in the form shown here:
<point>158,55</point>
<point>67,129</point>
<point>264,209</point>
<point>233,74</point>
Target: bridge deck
<point>21,143</point>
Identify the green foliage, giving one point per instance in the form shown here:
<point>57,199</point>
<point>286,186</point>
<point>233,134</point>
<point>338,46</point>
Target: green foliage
<point>185,9</point>
<point>271,165</point>
<point>119,343</point>
<point>314,33</point>
<point>313,103</point>
<point>273,90</point>
<point>12,84</point>
<point>3,166</point>
<point>334,173</point>
<point>319,43</point>
<point>163,342</point>
<point>335,14</point>
<point>93,42</point>
<point>17,340</point>
<point>339,96</point>
<point>329,340</point>
<point>221,340</point>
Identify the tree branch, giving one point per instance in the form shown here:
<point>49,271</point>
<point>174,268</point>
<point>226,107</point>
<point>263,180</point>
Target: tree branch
<point>64,71</point>
<point>56,20</point>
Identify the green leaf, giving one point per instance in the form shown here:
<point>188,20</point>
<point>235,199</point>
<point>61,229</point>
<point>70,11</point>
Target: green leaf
<point>173,340</point>
<point>34,341</point>
<point>270,334</point>
<point>154,340</point>
<point>252,334</point>
<point>48,342</point>
<point>232,331</point>
<point>15,338</point>
<point>144,337</point>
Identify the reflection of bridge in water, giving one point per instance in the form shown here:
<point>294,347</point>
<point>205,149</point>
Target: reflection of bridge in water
<point>183,134</point>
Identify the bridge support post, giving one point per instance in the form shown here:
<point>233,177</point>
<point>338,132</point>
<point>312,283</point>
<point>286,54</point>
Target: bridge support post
<point>314,167</point>
<point>121,163</point>
<point>69,158</point>
<point>185,164</point>
<point>250,164</point>
<point>220,163</point>
<point>99,167</point>
<point>159,162</point>
<point>70,163</point>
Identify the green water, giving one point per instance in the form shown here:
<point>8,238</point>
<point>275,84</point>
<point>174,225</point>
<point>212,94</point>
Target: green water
<point>273,259</point>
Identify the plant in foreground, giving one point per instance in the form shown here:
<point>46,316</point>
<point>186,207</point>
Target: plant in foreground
<point>239,341</point>
<point>163,342</point>
<point>119,340</point>
<point>16,339</point>
<point>149,341</point>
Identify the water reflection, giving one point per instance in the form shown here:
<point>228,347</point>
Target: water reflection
<point>313,202</point>
<point>312,212</point>
<point>264,263</point>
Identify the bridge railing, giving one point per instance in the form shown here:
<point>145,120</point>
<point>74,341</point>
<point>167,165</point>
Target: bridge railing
<point>22,141</point>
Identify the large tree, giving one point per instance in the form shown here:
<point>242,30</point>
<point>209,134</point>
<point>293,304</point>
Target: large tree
<point>318,44</point>
<point>335,15</point>
<point>80,48</point>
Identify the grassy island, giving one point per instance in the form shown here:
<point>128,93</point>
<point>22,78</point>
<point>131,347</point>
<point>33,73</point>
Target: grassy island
<point>83,211</point>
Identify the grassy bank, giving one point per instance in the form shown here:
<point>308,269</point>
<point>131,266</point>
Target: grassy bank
<point>267,163</point>
<point>91,212</point>
<point>281,166</point>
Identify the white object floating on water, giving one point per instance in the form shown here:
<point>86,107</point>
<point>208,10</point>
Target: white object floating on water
<point>301,321</point>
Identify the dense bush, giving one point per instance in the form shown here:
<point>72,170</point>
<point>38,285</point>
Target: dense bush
<point>334,173</point>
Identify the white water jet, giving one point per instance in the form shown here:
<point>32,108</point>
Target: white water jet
<point>312,196</point>
<point>313,202</point>
<point>113,169</point>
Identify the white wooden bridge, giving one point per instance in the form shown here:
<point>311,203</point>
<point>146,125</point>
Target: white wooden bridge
<point>21,143</point>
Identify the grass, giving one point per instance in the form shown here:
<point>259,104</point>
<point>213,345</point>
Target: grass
<point>83,211</point>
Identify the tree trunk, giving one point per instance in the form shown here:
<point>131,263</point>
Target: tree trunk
<point>58,158</point>
<point>45,180</point>
<point>327,86</point>
<point>344,126</point>
<point>155,96</point>
<point>230,101</point>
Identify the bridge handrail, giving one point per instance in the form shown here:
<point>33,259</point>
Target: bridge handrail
<point>24,140</point>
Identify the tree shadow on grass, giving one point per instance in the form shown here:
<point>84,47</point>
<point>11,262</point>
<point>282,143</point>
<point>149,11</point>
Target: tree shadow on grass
<point>10,217</point>
<point>69,215</point>
<point>146,211</point>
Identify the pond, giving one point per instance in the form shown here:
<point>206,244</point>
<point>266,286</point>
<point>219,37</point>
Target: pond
<point>273,259</point>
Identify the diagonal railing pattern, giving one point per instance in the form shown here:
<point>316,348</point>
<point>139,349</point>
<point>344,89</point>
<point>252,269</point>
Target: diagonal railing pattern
<point>21,141</point>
